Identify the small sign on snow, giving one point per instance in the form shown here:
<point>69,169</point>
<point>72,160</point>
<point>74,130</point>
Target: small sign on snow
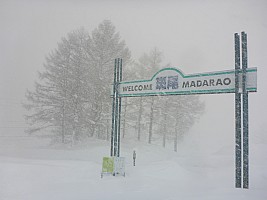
<point>113,166</point>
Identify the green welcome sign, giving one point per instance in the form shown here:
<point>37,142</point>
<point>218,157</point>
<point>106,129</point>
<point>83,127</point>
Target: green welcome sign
<point>171,81</point>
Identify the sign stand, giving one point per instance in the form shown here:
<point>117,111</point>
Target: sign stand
<point>171,81</point>
<point>113,166</point>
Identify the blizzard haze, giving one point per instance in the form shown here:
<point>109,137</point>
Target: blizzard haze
<point>196,36</point>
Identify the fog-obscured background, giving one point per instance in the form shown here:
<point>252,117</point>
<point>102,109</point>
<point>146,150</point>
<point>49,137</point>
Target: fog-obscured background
<point>195,36</point>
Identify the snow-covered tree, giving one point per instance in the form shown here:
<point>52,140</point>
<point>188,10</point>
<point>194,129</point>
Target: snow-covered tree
<point>178,113</point>
<point>62,93</point>
<point>147,66</point>
<point>72,96</point>
<point>104,46</point>
<point>166,116</point>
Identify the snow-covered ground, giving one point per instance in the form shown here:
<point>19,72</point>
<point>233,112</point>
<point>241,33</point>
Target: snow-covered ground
<point>31,170</point>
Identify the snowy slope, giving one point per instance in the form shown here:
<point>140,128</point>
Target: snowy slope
<point>31,170</point>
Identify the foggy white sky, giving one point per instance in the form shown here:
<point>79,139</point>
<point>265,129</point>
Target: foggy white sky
<point>194,35</point>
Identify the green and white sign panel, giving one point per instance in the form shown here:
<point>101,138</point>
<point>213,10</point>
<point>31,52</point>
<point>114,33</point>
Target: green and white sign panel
<point>171,81</point>
<point>108,165</point>
<point>113,165</point>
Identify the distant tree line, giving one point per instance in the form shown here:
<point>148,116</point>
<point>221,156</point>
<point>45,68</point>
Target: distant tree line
<point>158,118</point>
<point>71,99</point>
